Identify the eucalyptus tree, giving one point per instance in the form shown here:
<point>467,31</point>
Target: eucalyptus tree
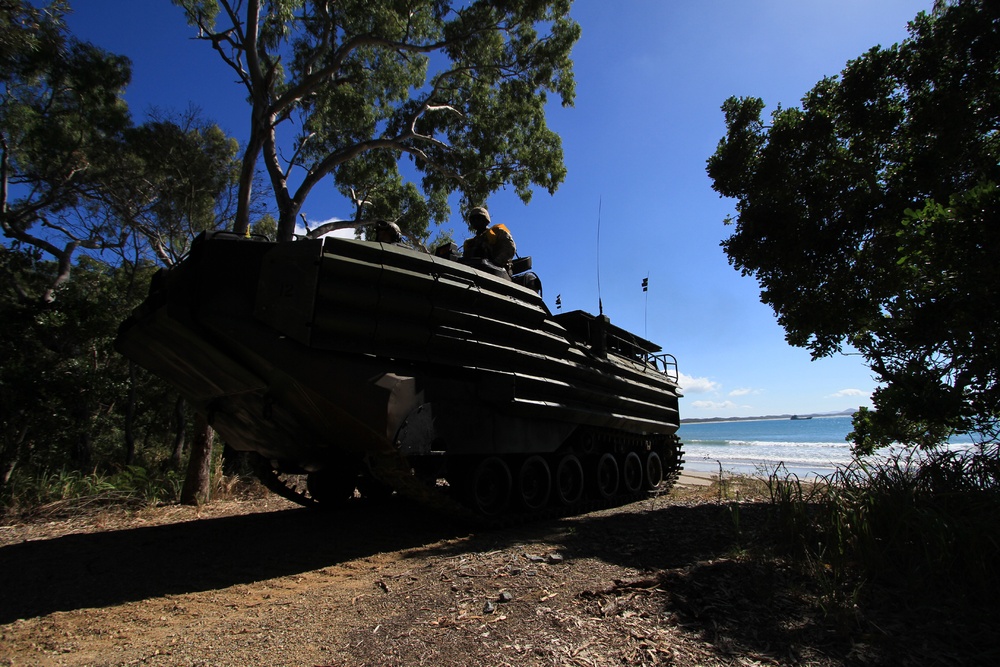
<point>346,90</point>
<point>871,218</point>
<point>78,181</point>
<point>179,177</point>
<point>61,117</point>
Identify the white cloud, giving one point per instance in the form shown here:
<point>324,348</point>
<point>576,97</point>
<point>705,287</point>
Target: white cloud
<point>695,385</point>
<point>713,405</point>
<point>746,391</point>
<point>850,392</point>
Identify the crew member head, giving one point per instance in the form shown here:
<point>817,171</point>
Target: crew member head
<point>387,232</point>
<point>479,218</point>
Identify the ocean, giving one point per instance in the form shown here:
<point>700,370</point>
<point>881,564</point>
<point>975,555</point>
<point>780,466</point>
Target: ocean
<point>806,447</point>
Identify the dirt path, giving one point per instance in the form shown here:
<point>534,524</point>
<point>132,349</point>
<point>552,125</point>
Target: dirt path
<point>266,583</point>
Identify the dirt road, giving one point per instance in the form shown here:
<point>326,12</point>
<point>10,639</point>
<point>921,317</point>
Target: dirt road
<point>657,582</point>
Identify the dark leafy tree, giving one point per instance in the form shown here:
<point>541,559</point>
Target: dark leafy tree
<point>77,175</point>
<point>345,90</point>
<point>179,178</point>
<point>61,119</point>
<point>61,382</point>
<point>870,218</point>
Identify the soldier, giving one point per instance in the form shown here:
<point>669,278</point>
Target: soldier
<point>494,244</point>
<point>387,232</point>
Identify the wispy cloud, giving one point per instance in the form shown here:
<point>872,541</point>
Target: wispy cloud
<point>850,392</point>
<point>713,405</point>
<point>693,385</point>
<point>745,391</point>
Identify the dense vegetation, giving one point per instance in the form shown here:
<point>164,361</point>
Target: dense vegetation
<point>92,203</point>
<point>871,217</point>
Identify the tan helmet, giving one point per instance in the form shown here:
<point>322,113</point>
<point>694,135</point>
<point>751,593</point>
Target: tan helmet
<point>479,212</point>
<point>387,232</point>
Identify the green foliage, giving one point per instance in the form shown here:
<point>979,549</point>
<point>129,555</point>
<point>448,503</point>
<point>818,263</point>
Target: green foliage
<point>78,175</point>
<point>266,226</point>
<point>62,386</point>
<point>459,89</point>
<point>180,180</point>
<point>870,217</point>
<point>132,484</point>
<point>61,117</point>
<point>923,525</point>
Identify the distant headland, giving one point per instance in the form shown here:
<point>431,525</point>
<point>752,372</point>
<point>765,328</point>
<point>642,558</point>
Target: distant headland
<point>700,420</point>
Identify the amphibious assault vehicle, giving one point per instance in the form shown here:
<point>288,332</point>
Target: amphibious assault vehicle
<point>355,369</point>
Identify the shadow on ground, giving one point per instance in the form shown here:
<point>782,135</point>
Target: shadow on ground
<point>108,568</point>
<point>711,569</point>
<point>691,559</point>
<point>101,569</point>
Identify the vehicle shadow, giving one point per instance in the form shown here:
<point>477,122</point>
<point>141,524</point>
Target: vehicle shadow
<point>102,569</point>
<point>647,535</point>
<point>692,563</point>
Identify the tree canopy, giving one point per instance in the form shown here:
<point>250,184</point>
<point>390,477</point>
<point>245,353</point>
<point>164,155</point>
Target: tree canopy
<point>346,90</point>
<point>61,112</point>
<point>89,203</point>
<point>869,216</point>
<point>75,172</point>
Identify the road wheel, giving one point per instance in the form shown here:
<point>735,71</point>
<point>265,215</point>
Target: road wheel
<point>534,483</point>
<point>491,486</point>
<point>654,471</point>
<point>607,476</point>
<point>569,480</point>
<point>372,489</point>
<point>333,486</point>
<point>632,476</point>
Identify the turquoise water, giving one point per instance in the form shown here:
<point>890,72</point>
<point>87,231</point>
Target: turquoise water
<point>806,447</point>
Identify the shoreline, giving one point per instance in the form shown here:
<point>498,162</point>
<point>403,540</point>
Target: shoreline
<point>696,478</point>
<point>711,469</point>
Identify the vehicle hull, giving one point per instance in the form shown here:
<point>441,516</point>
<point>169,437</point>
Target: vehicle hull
<point>321,354</point>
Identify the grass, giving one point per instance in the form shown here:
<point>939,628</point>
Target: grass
<point>925,525</point>
<point>899,556</point>
<point>68,492</point>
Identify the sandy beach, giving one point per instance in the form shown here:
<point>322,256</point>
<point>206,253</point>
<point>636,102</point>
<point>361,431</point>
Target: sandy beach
<point>696,478</point>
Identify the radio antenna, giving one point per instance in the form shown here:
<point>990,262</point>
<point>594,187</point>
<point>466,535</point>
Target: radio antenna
<point>600,304</point>
<point>645,310</point>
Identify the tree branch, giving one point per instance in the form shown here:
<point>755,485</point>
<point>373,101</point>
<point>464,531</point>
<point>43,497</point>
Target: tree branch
<point>328,227</point>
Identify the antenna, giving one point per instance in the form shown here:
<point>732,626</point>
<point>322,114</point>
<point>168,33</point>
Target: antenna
<point>600,305</point>
<point>645,310</point>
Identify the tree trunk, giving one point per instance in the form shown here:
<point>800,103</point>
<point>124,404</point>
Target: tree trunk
<point>9,457</point>
<point>180,426</point>
<point>259,123</point>
<point>81,451</point>
<point>130,416</point>
<point>197,485</point>
<point>6,471</point>
<point>242,221</point>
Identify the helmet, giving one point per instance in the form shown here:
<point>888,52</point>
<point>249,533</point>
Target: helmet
<point>479,212</point>
<point>387,232</point>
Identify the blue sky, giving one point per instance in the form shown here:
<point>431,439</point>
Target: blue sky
<point>651,76</point>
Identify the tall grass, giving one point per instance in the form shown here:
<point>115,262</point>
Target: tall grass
<point>131,485</point>
<point>928,524</point>
<point>65,492</point>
